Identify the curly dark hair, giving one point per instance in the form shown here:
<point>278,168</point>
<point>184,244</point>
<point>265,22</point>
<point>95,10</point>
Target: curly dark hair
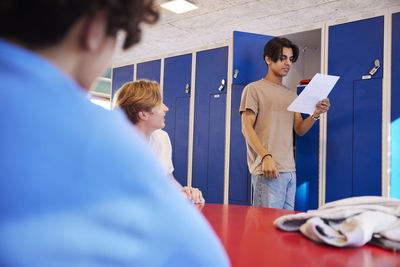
<point>273,49</point>
<point>39,23</point>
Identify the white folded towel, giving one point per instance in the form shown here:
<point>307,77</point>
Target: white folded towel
<point>350,222</point>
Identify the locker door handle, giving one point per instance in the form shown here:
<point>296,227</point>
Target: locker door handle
<point>222,86</point>
<point>236,74</point>
<point>375,68</point>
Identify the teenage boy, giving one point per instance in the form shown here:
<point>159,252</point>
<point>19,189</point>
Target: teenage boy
<point>78,185</point>
<point>268,126</point>
<point>142,103</point>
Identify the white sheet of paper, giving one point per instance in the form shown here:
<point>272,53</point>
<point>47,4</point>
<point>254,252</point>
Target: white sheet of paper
<point>319,88</point>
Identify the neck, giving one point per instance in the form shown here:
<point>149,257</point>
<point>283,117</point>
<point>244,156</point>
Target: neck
<point>273,78</point>
<point>58,57</point>
<point>144,130</point>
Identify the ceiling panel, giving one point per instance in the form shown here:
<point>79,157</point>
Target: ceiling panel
<point>215,20</point>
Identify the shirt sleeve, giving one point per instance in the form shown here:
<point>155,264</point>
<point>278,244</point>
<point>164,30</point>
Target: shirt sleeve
<point>249,99</point>
<point>168,150</point>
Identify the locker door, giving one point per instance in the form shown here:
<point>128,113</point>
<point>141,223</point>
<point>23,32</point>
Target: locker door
<point>239,175</point>
<point>120,76</point>
<point>209,119</point>
<point>180,139</point>
<point>367,147</point>
<point>216,148</point>
<point>249,66</point>
<point>306,151</point>
<point>177,76</point>
<point>395,113</point>
<point>149,70</point>
<point>353,48</point>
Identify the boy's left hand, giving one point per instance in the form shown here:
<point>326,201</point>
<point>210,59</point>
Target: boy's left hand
<point>322,106</point>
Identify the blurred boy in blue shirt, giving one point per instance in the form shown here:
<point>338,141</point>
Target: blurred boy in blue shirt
<point>78,185</point>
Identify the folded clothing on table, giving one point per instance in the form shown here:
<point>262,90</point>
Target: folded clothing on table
<point>350,222</point>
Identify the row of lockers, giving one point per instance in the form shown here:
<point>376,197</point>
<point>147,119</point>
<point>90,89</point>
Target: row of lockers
<point>354,123</point>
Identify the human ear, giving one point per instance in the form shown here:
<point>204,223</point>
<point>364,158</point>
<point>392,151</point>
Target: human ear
<point>267,60</point>
<point>94,31</point>
<point>143,115</point>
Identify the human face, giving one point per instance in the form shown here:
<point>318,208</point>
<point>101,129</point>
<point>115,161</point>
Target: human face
<point>157,116</point>
<point>281,67</point>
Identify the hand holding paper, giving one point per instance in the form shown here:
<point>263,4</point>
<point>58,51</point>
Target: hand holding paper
<point>319,88</point>
<point>322,106</point>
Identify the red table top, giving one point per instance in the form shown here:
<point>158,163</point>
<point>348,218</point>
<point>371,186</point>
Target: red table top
<point>251,239</point>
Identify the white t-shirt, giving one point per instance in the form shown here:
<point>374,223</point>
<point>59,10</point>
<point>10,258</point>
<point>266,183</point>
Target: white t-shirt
<point>161,145</point>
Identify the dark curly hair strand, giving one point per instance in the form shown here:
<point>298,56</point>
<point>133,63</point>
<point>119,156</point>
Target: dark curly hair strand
<point>38,23</point>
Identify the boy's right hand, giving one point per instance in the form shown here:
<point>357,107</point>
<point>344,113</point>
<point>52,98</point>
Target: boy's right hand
<point>269,168</point>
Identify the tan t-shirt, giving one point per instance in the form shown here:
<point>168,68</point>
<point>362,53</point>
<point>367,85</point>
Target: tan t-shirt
<point>273,124</point>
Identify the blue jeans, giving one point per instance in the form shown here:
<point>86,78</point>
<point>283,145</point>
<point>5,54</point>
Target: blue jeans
<point>275,193</point>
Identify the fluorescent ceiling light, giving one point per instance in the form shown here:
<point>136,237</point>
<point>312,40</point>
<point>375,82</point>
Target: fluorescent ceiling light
<point>179,6</point>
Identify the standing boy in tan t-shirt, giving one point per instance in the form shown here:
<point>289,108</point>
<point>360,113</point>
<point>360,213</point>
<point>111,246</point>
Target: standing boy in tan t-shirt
<point>268,128</point>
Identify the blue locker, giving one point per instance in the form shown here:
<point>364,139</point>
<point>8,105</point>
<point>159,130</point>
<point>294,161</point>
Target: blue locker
<point>209,123</point>
<point>306,154</point>
<point>395,113</point>
<point>249,66</point>
<point>120,76</point>
<point>353,48</point>
<point>366,165</point>
<point>149,70</point>
<point>177,76</point>
<point>248,50</point>
<point>216,147</point>
<point>239,175</point>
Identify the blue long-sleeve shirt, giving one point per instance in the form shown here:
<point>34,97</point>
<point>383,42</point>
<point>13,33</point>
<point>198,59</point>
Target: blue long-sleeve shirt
<point>79,186</point>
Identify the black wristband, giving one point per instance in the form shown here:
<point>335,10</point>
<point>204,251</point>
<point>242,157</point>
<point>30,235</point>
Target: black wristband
<point>315,118</point>
<point>266,156</point>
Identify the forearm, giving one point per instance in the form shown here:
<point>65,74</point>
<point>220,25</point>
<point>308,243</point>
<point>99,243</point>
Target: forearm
<point>302,126</point>
<point>254,142</point>
<point>176,182</point>
<point>268,166</point>
<point>193,194</point>
<point>305,126</point>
